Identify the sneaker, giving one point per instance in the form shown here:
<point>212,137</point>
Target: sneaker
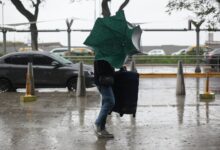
<point>96,128</point>
<point>104,134</point>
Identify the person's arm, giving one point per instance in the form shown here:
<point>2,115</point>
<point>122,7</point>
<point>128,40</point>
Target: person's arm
<point>105,9</point>
<point>123,5</point>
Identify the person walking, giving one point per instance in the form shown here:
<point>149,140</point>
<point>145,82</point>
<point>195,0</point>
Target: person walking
<point>104,79</point>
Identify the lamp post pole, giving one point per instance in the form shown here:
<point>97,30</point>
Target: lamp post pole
<point>4,31</point>
<point>2,3</point>
<point>69,24</point>
<point>197,25</point>
<point>3,28</point>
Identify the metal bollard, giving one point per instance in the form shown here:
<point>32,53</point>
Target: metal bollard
<point>31,71</point>
<point>81,87</point>
<point>180,87</point>
<point>207,94</point>
<point>133,67</point>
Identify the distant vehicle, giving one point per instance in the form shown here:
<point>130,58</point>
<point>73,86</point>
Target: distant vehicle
<point>179,52</point>
<point>192,50</point>
<point>59,51</point>
<point>213,58</point>
<point>50,71</point>
<point>81,51</point>
<point>156,52</point>
<point>27,49</point>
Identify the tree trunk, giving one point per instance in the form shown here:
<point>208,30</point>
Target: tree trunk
<point>34,37</point>
<point>31,18</point>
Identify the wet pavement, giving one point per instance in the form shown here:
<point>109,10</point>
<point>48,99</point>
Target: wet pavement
<point>59,120</point>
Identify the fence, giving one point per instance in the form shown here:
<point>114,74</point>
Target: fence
<point>167,60</point>
<point>139,59</point>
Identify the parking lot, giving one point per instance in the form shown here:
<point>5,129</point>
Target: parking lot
<point>60,120</point>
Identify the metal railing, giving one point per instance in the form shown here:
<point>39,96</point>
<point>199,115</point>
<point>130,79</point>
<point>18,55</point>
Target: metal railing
<point>167,60</point>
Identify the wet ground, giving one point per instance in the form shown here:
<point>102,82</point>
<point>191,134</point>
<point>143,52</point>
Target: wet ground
<point>59,120</point>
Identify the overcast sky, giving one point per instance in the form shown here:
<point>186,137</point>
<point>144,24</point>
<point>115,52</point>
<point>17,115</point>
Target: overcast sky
<point>150,12</point>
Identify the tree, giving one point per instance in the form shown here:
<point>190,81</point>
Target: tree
<point>207,10</point>
<point>32,18</point>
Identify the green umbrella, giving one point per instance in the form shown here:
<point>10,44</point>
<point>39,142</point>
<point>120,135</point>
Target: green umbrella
<point>113,38</point>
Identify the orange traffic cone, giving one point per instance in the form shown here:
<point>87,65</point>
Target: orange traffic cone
<point>29,96</point>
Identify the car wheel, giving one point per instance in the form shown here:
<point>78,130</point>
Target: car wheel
<point>71,84</point>
<point>5,85</point>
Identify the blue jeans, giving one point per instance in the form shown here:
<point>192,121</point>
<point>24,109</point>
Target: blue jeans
<point>108,102</point>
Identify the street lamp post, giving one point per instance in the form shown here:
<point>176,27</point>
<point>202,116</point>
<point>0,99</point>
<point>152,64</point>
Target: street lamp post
<point>2,3</point>
<point>3,28</point>
<point>197,25</point>
<point>69,24</point>
<point>4,31</point>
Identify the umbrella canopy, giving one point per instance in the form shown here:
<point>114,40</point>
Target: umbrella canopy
<point>113,38</point>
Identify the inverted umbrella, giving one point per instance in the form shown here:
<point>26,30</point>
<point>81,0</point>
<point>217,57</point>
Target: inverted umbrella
<point>113,38</point>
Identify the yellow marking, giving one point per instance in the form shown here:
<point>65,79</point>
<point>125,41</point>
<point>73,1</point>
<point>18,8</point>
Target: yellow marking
<point>174,75</point>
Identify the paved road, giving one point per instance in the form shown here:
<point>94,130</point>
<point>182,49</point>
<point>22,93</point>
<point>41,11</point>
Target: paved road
<point>58,120</point>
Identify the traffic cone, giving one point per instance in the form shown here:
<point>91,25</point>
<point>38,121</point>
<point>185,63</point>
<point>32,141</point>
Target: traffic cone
<point>29,95</point>
<point>207,94</point>
<point>180,87</point>
<point>81,87</point>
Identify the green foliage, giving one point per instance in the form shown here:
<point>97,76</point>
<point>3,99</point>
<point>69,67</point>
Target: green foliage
<point>168,59</point>
<point>145,59</point>
<point>10,43</point>
<point>207,10</point>
<point>192,51</point>
<point>85,59</point>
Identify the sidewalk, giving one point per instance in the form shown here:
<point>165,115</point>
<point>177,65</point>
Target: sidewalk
<point>164,121</point>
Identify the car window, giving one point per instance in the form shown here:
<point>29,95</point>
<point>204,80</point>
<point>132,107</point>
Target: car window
<point>59,50</point>
<point>42,60</point>
<point>17,60</point>
<point>61,59</point>
<point>216,51</point>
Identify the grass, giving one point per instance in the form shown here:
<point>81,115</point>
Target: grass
<point>145,59</point>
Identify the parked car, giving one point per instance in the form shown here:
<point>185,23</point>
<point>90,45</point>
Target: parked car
<point>213,58</point>
<point>179,52</point>
<point>59,51</point>
<point>156,52</point>
<point>81,51</point>
<point>192,50</point>
<point>74,51</point>
<point>50,71</point>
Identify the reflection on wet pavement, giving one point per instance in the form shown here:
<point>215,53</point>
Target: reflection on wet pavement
<point>62,121</point>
